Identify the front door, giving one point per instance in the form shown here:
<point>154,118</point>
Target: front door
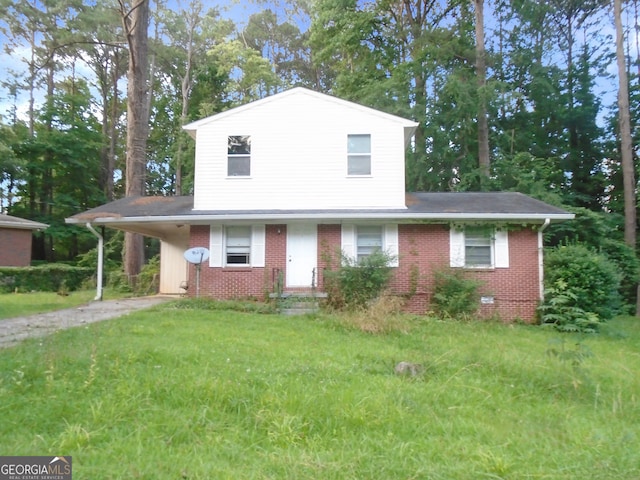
<point>302,255</point>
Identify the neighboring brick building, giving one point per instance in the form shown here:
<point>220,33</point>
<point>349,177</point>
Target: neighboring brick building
<point>287,182</point>
<point>15,240</point>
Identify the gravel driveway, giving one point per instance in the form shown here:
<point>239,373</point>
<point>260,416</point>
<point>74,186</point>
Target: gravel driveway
<point>14,330</point>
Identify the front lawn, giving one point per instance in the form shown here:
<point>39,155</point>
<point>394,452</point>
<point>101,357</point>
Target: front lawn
<point>180,393</point>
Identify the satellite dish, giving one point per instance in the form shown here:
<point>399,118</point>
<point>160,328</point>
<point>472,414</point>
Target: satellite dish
<point>196,255</point>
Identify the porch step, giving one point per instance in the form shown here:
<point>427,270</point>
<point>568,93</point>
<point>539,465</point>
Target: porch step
<point>298,303</point>
<point>284,295</point>
<point>299,309</point>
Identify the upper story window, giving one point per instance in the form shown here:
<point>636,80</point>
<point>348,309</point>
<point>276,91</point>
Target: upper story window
<point>239,156</point>
<point>359,154</point>
<point>368,240</point>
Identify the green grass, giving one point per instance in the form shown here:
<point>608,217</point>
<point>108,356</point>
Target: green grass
<point>174,393</point>
<point>19,304</point>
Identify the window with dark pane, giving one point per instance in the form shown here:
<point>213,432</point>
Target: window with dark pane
<point>239,156</point>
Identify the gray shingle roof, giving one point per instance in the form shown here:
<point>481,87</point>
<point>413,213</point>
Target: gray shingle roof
<point>425,206</point>
<point>7,221</point>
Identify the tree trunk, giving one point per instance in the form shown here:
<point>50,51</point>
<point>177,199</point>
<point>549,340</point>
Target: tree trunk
<point>136,22</point>
<point>481,71</point>
<point>626,149</point>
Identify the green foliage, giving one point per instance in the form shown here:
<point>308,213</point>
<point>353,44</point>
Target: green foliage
<point>112,260</point>
<point>146,283</point>
<point>590,276</point>
<point>455,295</point>
<point>355,283</point>
<point>44,278</point>
<point>574,357</point>
<point>560,309</point>
<point>601,232</point>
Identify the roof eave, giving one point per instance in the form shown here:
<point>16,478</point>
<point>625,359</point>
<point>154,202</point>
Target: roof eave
<point>403,216</point>
<point>24,226</point>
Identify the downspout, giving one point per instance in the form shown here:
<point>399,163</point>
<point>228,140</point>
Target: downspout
<point>546,223</point>
<point>100,261</point>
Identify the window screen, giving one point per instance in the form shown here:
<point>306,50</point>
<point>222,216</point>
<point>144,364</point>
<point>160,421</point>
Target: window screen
<point>238,246</point>
<point>477,247</point>
<point>359,154</point>
<point>239,156</point>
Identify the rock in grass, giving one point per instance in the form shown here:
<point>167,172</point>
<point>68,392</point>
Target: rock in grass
<point>408,369</point>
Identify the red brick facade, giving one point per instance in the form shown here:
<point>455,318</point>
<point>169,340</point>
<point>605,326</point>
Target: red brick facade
<point>15,247</point>
<point>424,249</point>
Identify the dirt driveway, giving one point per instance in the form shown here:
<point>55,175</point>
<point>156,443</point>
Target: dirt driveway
<point>14,330</point>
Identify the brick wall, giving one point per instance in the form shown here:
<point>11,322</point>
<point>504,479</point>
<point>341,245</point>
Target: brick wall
<point>15,247</point>
<point>240,282</point>
<point>424,249</point>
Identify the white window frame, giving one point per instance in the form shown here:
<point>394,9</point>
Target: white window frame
<point>459,242</point>
<point>349,241</point>
<point>218,247</point>
<point>358,155</point>
<point>237,239</point>
<point>368,231</point>
<point>233,156</point>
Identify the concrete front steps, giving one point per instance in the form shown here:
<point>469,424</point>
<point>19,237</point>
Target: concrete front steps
<point>298,303</point>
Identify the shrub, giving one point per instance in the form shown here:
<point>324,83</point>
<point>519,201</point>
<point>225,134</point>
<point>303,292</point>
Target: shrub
<point>600,231</point>
<point>627,265</point>
<point>145,283</point>
<point>355,283</point>
<point>560,310</point>
<point>45,278</point>
<point>591,279</point>
<point>455,295</point>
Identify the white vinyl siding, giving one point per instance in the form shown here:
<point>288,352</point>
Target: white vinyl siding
<point>478,248</point>
<point>360,241</point>
<point>298,159</point>
<point>237,246</point>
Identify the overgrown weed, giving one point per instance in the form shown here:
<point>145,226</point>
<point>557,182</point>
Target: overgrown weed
<point>380,316</point>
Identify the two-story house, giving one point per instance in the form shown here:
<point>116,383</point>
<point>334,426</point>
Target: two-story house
<point>285,184</point>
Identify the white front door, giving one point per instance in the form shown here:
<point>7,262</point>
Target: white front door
<point>302,255</point>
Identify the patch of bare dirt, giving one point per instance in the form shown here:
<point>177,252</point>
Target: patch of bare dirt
<point>14,330</point>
